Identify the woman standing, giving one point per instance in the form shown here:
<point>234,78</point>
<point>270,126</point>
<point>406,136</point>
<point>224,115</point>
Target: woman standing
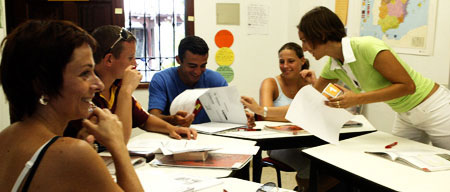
<point>375,73</point>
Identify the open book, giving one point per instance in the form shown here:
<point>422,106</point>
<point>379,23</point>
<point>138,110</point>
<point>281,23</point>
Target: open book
<point>289,129</point>
<point>294,130</point>
<point>424,160</point>
<point>214,160</point>
<point>221,104</point>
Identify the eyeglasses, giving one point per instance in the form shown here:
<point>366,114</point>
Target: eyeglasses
<point>268,187</point>
<point>123,35</point>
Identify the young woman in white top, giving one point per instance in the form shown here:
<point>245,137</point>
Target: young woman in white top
<point>279,91</point>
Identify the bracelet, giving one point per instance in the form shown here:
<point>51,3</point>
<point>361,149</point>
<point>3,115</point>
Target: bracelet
<point>265,112</point>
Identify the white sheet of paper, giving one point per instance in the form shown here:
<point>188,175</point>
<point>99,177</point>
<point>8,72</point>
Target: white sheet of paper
<point>214,127</point>
<point>308,111</point>
<point>223,104</point>
<point>170,147</point>
<point>186,101</point>
<point>160,180</point>
<point>244,150</point>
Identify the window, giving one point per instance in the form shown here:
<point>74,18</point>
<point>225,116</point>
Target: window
<point>158,25</point>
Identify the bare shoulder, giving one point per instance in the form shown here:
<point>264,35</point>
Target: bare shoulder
<point>74,163</point>
<point>269,83</point>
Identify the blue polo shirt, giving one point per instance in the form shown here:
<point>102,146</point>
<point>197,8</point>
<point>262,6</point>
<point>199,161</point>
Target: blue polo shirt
<point>166,85</point>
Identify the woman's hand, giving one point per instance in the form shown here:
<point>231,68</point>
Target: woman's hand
<point>309,76</point>
<point>251,104</point>
<point>346,100</point>
<point>250,119</point>
<point>105,127</point>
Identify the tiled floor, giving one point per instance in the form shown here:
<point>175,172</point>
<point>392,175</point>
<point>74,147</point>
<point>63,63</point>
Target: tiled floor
<point>269,175</point>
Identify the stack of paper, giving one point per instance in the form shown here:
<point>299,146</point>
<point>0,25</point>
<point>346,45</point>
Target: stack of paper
<point>169,147</point>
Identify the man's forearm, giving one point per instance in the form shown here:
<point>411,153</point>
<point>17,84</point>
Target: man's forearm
<point>157,124</point>
<point>168,118</point>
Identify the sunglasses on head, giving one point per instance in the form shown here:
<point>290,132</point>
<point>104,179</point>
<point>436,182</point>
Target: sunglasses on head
<point>123,35</point>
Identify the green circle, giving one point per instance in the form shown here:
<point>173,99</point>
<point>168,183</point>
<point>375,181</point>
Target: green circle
<point>226,72</point>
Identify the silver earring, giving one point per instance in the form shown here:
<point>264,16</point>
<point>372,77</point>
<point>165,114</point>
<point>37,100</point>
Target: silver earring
<point>43,100</point>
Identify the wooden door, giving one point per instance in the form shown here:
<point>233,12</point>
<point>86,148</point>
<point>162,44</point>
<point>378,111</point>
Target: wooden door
<point>87,14</point>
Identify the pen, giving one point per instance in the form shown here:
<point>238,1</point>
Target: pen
<point>248,129</point>
<point>391,145</point>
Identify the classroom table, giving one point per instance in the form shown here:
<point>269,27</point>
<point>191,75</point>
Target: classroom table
<point>270,140</point>
<point>361,171</point>
<point>206,139</point>
<point>160,180</point>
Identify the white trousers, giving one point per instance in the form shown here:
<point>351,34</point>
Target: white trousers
<point>428,121</point>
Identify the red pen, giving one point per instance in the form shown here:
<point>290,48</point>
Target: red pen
<point>391,145</point>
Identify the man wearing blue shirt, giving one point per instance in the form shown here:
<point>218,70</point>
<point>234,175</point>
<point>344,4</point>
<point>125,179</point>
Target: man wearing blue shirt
<point>192,73</point>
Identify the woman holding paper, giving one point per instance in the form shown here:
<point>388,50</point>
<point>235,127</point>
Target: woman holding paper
<point>375,73</point>
<point>57,86</point>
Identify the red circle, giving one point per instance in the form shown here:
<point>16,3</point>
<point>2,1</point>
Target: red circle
<point>224,38</point>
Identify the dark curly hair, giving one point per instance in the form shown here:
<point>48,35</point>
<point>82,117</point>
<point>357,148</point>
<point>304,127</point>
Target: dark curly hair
<point>194,44</point>
<point>34,57</point>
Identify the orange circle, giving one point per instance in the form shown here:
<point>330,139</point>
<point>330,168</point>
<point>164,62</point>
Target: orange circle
<point>224,38</point>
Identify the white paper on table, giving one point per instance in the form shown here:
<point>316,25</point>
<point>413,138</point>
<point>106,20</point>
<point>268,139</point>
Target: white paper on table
<point>244,150</point>
<point>186,101</point>
<point>145,145</point>
<point>214,127</point>
<point>308,111</point>
<point>157,180</point>
<point>170,147</point>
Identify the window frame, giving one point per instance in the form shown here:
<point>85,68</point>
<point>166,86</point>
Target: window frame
<point>189,29</point>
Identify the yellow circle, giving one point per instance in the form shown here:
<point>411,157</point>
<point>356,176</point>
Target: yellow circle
<point>224,56</point>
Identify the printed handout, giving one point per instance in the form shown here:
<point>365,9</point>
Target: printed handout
<point>308,111</point>
<point>222,105</point>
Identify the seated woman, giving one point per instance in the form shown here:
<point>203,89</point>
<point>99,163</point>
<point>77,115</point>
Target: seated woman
<point>279,91</point>
<point>47,74</point>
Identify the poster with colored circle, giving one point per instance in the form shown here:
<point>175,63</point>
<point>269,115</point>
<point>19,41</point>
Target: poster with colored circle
<point>224,56</point>
<point>226,72</point>
<point>224,38</point>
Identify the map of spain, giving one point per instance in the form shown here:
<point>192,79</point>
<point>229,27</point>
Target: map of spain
<point>400,23</point>
<point>392,13</point>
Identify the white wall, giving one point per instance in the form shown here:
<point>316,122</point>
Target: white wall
<point>256,56</point>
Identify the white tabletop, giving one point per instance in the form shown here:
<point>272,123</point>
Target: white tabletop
<point>349,155</point>
<point>266,134</point>
<point>237,185</point>
<point>201,138</point>
<point>155,180</point>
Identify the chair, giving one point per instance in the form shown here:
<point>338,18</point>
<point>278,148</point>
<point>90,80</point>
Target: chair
<point>278,166</point>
